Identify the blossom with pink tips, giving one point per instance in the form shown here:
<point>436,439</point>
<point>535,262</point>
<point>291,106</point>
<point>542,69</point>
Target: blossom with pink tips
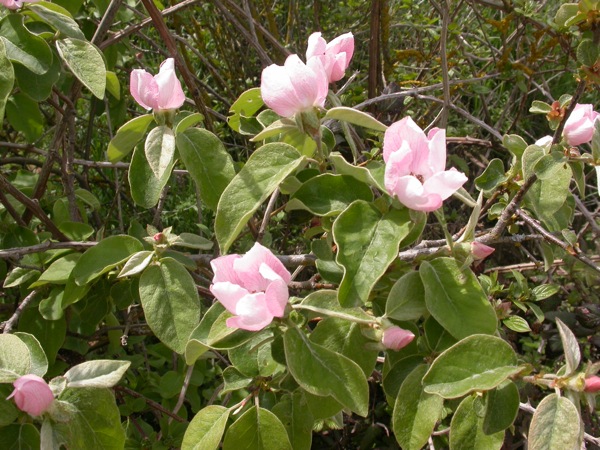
<point>415,166</point>
<point>481,251</point>
<point>579,127</point>
<point>32,394</point>
<point>294,87</point>
<point>396,338</point>
<point>158,92</point>
<point>252,287</point>
<point>15,4</point>
<point>592,384</point>
<point>335,55</point>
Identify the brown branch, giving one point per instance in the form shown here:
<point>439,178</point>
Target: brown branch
<point>10,323</point>
<point>150,403</point>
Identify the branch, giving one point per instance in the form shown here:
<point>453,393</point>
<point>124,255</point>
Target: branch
<point>10,323</point>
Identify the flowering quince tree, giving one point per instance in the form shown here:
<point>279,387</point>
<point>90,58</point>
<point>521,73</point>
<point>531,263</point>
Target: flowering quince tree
<point>311,290</point>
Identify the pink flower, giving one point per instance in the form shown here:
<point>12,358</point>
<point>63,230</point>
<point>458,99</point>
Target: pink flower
<point>592,384</point>
<point>334,56</point>
<point>480,251</point>
<point>396,338</point>
<point>162,91</point>
<point>32,394</point>
<point>15,4</point>
<point>294,87</point>
<point>579,127</point>
<point>415,166</point>
<point>253,287</point>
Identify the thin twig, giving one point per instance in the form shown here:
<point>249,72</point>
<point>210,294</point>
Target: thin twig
<point>150,403</point>
<point>10,323</point>
<point>184,388</point>
<point>267,215</point>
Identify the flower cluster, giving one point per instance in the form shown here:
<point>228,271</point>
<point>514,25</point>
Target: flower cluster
<point>159,92</point>
<point>296,87</point>
<point>415,166</point>
<point>32,394</point>
<point>253,287</point>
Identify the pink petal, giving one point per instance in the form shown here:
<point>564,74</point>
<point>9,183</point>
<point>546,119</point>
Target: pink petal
<point>579,127</point>
<point>277,296</point>
<point>406,130</point>
<point>342,44</point>
<point>170,93</point>
<point>248,268</point>
<point>252,313</point>
<point>398,165</point>
<point>316,45</point>
<point>228,294</point>
<point>411,194</point>
<point>277,91</point>
<point>481,251</point>
<point>143,89</point>
<point>437,152</point>
<point>223,270</point>
<point>444,183</point>
<point>396,338</point>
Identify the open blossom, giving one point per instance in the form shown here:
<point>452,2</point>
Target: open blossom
<point>592,384</point>
<point>252,287</point>
<point>32,394</point>
<point>294,87</point>
<point>579,127</point>
<point>15,4</point>
<point>161,91</point>
<point>335,55</point>
<point>415,166</point>
<point>396,338</point>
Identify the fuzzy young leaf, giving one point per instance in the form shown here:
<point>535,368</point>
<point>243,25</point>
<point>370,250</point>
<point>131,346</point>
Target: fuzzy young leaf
<point>160,149</point>
<point>86,63</point>
<point>137,263</point>
<point>145,186</point>
<point>356,117</point>
<point>97,373</point>
<point>39,361</point>
<point>555,424</point>
<point>15,358</point>
<point>466,429</point>
<point>570,347</point>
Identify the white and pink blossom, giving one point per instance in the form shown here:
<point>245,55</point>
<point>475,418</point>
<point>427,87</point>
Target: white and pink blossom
<point>32,394</point>
<point>415,166</point>
<point>579,127</point>
<point>252,287</point>
<point>159,92</point>
<point>335,56</point>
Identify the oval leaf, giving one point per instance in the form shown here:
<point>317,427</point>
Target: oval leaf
<point>466,429</point>
<point>7,78</point>
<point>356,117</point>
<point>127,137</point>
<point>555,424</point>
<point>15,358</point>
<point>97,373</point>
<point>501,407</point>
<point>145,186</point>
<point>206,429</point>
<point>160,149</point>
<point>257,429</point>
<point>86,63</point>
<point>477,363</point>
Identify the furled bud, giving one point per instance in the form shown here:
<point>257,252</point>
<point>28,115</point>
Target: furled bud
<point>32,394</point>
<point>592,384</point>
<point>396,338</point>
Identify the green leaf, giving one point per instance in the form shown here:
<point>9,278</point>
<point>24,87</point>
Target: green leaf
<point>257,429</point>
<point>160,149</point>
<point>171,303</point>
<point>570,348</point>
<point>356,117</point>
<point>112,85</point>
<point>208,162</point>
<point>60,22</point>
<point>544,291</point>
<point>136,264</point>
<point>38,87</point>
<point>234,380</point>
<point>24,47</point>
<point>185,120</point>
<point>8,410</point>
<point>49,333</point>
<point>329,194</point>
<point>415,412</point>
<point>566,12</point>
<point>145,187</point>
<point>538,107</point>
<point>477,363</point>
<point>455,298</point>
<point>194,241</point>
<point>346,338</point>
<point>517,323</point>
<point>492,177</point>
<point>501,407</point>
<point>325,300</point>
<point>395,372</point>
<point>363,174</point>
<point>15,358</point>
<point>406,300</point>
<point>59,271</point>
<point>104,256</point>
<point>127,137</point>
<point>265,170</point>
<point>212,331</point>
<point>548,165</point>
<point>368,243</point>
<point>86,63</point>
<point>97,373</point>
<point>587,52</point>
<point>323,372</point>
<point>93,422</point>
<point>555,425</point>
<point>254,357</point>
<point>206,429</point>
<point>515,144</point>
<point>23,436</point>
<point>466,429</point>
<point>595,143</point>
<point>24,115</point>
<point>88,198</point>
<point>7,78</point>
<point>247,104</point>
<point>276,128</point>
<point>297,419</point>
<point>39,362</point>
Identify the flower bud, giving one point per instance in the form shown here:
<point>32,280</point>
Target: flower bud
<point>592,384</point>
<point>480,251</point>
<point>32,394</point>
<point>396,338</point>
